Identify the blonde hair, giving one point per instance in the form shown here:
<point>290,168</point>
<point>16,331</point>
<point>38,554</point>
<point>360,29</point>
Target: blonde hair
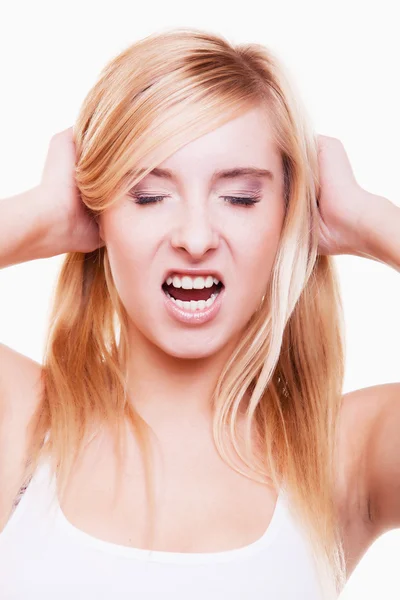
<point>155,96</point>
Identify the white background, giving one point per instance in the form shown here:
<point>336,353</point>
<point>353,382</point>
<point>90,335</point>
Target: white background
<point>343,58</point>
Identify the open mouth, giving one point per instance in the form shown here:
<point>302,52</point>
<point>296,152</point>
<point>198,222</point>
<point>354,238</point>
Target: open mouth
<point>197,295</point>
<point>193,300</point>
<point>185,295</point>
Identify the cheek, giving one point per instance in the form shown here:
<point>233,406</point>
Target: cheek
<point>257,255</point>
<point>128,258</point>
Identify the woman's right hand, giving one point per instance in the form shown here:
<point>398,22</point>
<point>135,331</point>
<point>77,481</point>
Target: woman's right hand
<point>70,226</point>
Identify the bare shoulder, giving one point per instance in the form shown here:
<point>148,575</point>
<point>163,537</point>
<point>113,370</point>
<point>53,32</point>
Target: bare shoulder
<point>20,383</point>
<point>20,393</point>
<point>360,416</point>
<point>383,451</point>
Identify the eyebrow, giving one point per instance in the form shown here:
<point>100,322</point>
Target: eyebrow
<point>217,175</point>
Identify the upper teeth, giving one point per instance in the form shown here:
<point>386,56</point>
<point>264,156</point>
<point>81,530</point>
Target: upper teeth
<point>186,282</point>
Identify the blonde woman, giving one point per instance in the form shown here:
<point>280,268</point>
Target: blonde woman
<point>186,435</point>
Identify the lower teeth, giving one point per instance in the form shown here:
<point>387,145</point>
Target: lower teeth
<point>194,305</point>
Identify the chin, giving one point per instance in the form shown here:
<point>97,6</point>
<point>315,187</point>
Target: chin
<point>190,351</point>
<point>196,344</point>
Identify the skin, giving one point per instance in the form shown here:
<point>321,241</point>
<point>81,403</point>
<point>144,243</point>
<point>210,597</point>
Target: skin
<point>143,241</point>
<point>174,366</point>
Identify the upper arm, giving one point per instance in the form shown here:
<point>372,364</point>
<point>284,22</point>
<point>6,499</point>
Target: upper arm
<point>383,454</point>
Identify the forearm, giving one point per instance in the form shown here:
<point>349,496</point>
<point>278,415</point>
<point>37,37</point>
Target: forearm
<point>381,232</point>
<point>22,228</point>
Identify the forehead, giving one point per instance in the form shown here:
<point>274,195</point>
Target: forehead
<point>240,148</point>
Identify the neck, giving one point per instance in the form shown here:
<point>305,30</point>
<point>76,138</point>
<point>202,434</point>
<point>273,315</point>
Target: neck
<point>164,388</point>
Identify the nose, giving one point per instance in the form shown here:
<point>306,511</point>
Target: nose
<point>195,232</point>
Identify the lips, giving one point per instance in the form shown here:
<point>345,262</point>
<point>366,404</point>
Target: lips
<point>192,294</point>
<point>194,317</point>
<point>193,272</point>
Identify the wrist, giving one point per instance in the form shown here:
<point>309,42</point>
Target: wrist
<point>34,205</point>
<point>380,230</point>
<point>22,228</point>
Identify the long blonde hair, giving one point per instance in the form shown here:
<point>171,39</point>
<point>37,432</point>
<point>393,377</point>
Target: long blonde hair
<point>155,96</point>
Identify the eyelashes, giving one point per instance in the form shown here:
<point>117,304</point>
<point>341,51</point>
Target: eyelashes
<point>242,200</point>
<point>247,201</point>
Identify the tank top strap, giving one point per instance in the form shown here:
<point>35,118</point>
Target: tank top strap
<point>36,502</point>
<point>42,483</point>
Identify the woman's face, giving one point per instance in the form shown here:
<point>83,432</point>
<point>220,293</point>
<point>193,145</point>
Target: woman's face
<point>194,226</point>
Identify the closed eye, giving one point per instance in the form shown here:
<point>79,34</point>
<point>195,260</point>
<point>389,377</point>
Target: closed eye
<point>236,200</point>
<point>243,200</point>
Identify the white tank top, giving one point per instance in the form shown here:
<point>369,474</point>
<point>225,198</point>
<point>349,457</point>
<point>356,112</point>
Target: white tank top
<point>43,556</point>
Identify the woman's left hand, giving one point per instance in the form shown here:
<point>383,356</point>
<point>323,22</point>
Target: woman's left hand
<point>342,203</point>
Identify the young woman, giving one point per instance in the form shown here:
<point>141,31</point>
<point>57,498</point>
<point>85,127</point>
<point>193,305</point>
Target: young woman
<point>186,435</point>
